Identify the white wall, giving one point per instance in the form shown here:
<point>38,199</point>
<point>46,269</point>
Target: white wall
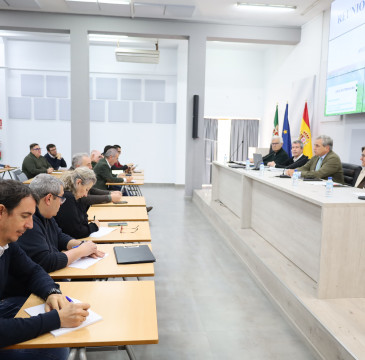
<point>235,82</point>
<point>40,58</point>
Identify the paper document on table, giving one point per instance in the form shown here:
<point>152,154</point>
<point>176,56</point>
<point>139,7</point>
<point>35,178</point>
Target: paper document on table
<point>101,232</point>
<point>271,168</point>
<point>85,262</point>
<point>91,319</point>
<point>317,183</point>
<point>359,193</point>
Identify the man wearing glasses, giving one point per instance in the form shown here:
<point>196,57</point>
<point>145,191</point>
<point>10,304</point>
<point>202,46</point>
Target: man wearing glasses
<point>34,163</point>
<point>360,181</point>
<point>278,154</point>
<point>54,158</point>
<point>45,243</point>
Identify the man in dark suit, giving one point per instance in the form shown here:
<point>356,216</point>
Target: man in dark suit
<point>360,180</point>
<point>325,163</point>
<point>54,158</point>
<point>298,159</point>
<point>104,173</point>
<point>278,154</point>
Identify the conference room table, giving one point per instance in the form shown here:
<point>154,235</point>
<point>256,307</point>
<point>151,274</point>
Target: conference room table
<point>106,267</point>
<point>135,231</point>
<point>323,236</point>
<point>130,201</point>
<point>120,213</point>
<point>128,310</point>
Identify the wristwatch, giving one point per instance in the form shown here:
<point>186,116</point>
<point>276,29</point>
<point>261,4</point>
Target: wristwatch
<point>53,291</point>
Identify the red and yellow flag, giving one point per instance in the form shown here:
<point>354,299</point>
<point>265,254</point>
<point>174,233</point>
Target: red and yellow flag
<point>305,133</point>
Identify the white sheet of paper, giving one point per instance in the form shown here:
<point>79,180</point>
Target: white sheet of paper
<point>102,232</point>
<point>359,193</point>
<point>91,319</point>
<point>86,262</point>
<point>271,168</point>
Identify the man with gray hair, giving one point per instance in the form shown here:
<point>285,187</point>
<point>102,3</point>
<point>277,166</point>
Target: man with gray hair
<point>324,164</point>
<point>45,243</point>
<point>298,159</point>
<point>80,159</point>
<point>278,154</point>
<point>104,173</point>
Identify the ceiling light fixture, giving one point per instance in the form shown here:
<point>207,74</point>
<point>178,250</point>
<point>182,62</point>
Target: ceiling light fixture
<point>137,55</point>
<point>266,7</point>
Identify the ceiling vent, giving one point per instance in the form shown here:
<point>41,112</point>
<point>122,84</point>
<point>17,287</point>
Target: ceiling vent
<point>138,55</point>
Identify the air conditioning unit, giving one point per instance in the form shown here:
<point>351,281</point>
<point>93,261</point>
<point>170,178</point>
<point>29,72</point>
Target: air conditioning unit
<point>137,56</point>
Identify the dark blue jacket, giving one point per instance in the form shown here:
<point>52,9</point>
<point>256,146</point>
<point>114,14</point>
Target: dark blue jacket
<point>16,263</point>
<point>54,162</point>
<point>45,242</point>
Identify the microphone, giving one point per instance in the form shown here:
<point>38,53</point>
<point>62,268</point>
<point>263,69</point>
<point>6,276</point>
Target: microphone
<point>230,159</point>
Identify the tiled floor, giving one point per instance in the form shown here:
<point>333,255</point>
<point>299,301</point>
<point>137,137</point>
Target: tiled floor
<point>208,307</point>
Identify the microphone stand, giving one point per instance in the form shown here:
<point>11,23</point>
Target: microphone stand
<point>230,159</point>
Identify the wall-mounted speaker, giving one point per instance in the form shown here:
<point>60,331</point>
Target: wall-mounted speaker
<point>195,116</point>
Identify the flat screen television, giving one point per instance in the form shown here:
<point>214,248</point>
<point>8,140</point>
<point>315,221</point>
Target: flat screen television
<point>346,58</point>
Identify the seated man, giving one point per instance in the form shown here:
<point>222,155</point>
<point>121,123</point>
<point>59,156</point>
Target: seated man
<point>54,158</point>
<point>325,163</point>
<point>34,163</point>
<point>104,173</point>
<point>95,157</point>
<point>278,154</point>
<point>17,205</point>
<point>360,180</point>
<point>95,196</point>
<point>118,166</point>
<point>298,159</point>
<point>46,244</point>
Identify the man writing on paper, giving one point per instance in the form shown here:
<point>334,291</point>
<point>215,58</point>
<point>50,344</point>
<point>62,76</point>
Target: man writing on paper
<point>46,244</point>
<point>34,163</point>
<point>325,163</point>
<point>298,159</point>
<point>278,154</point>
<point>17,205</point>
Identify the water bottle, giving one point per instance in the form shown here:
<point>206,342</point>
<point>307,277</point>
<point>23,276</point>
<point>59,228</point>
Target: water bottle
<point>225,159</point>
<point>262,169</point>
<point>329,187</point>
<point>295,178</point>
<point>248,164</point>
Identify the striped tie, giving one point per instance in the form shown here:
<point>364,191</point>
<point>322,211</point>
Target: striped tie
<point>319,163</point>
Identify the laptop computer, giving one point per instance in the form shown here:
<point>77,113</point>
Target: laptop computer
<point>257,160</point>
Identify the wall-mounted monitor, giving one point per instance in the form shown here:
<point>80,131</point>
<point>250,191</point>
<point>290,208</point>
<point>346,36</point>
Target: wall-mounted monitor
<point>346,58</point>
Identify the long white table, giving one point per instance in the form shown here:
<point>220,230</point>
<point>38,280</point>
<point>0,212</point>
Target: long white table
<point>323,236</point>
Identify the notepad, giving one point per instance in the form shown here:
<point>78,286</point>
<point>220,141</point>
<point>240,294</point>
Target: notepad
<point>101,232</point>
<point>86,262</point>
<point>133,254</point>
<point>91,319</point>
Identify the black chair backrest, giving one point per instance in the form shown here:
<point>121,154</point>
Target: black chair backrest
<point>350,173</point>
<point>19,175</point>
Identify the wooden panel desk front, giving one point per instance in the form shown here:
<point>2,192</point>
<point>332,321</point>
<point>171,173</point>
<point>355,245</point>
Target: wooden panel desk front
<point>323,236</point>
<point>135,231</point>
<point>128,309</point>
<point>131,201</point>
<point>106,268</point>
<point>109,213</point>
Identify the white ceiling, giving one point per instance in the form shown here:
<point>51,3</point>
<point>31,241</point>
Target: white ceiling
<point>212,11</point>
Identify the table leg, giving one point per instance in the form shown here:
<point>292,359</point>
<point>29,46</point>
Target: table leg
<point>130,352</point>
<point>72,354</point>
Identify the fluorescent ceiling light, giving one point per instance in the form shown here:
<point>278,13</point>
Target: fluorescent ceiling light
<point>266,7</point>
<point>115,2</point>
<point>137,55</point>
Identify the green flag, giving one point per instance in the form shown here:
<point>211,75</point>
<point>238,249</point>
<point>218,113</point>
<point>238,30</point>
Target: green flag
<point>276,123</point>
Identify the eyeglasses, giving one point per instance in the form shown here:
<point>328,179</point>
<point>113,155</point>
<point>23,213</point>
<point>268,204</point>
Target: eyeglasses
<point>37,149</point>
<point>122,229</point>
<point>62,198</point>
<point>275,144</point>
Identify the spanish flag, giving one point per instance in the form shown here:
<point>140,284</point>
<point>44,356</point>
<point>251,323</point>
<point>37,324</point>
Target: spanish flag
<point>305,133</point>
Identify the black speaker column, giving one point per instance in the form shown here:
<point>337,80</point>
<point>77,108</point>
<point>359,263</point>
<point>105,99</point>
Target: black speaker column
<point>195,116</point>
